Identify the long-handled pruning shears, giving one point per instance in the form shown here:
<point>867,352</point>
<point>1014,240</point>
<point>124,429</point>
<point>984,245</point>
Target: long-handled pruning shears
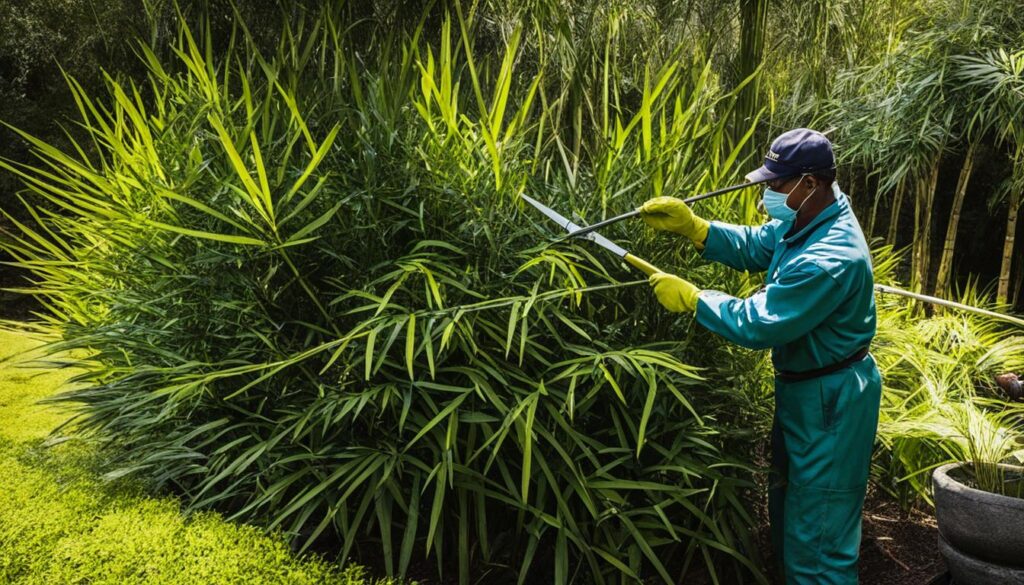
<point>593,227</point>
<point>647,268</point>
<point>639,263</point>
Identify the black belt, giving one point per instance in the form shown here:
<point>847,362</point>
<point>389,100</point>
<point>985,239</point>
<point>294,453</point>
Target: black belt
<point>807,375</point>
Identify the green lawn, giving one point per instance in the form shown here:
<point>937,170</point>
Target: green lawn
<point>60,523</point>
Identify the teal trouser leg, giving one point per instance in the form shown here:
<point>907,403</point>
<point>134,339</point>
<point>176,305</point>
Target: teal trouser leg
<point>777,494</point>
<point>822,442</point>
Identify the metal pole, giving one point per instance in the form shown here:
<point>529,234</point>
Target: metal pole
<point>952,304</point>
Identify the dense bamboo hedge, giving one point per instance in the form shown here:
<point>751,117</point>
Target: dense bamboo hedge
<point>316,300</point>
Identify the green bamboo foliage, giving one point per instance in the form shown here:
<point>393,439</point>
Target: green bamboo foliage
<point>997,78</point>
<point>940,402</point>
<point>925,101</point>
<point>313,299</point>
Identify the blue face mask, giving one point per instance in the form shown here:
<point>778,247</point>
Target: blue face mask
<point>775,204</point>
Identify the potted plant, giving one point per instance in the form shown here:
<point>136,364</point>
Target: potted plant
<point>979,500</point>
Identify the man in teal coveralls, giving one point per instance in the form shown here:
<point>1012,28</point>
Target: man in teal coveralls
<point>817,314</point>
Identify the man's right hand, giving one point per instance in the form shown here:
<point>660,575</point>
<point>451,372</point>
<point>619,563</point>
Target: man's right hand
<point>674,215</point>
<point>674,293</point>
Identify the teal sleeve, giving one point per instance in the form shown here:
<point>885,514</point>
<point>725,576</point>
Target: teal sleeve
<point>781,312</point>
<point>742,247</point>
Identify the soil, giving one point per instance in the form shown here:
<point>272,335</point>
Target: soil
<point>898,547</point>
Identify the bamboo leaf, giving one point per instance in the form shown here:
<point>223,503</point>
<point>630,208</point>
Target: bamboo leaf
<point>255,197</point>
<point>410,346</point>
<point>315,224</point>
<point>511,327</point>
<point>645,417</point>
<point>231,239</point>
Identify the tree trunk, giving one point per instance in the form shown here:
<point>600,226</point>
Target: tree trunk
<point>944,277</point>
<point>1011,231</point>
<point>894,215</point>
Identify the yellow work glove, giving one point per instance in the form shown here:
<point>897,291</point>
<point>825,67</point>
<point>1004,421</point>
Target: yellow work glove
<point>674,215</point>
<point>674,293</point>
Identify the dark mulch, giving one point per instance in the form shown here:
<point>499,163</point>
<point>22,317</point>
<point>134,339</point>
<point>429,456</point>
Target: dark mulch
<point>897,547</point>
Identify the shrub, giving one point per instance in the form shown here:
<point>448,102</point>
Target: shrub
<point>315,300</point>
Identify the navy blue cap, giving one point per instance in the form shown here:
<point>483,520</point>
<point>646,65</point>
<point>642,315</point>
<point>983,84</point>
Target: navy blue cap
<point>796,152</point>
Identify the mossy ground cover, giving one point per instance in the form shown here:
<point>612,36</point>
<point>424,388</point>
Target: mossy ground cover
<point>61,522</point>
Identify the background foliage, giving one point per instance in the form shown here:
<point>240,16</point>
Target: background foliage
<point>292,242</point>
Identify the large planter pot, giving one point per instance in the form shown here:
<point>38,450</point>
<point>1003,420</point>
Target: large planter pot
<point>968,570</point>
<point>979,524</point>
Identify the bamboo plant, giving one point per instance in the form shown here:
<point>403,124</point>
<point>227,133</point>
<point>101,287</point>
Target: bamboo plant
<point>312,299</point>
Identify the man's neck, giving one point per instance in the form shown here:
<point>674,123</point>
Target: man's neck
<point>818,202</point>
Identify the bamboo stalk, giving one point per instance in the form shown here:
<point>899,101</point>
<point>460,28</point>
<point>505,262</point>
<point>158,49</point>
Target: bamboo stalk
<point>1018,280</point>
<point>923,204</point>
<point>915,247</point>
<point>894,214</point>
<point>753,21</point>
<point>926,239</point>
<point>943,278</point>
<point>1008,243</point>
<point>873,218</point>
